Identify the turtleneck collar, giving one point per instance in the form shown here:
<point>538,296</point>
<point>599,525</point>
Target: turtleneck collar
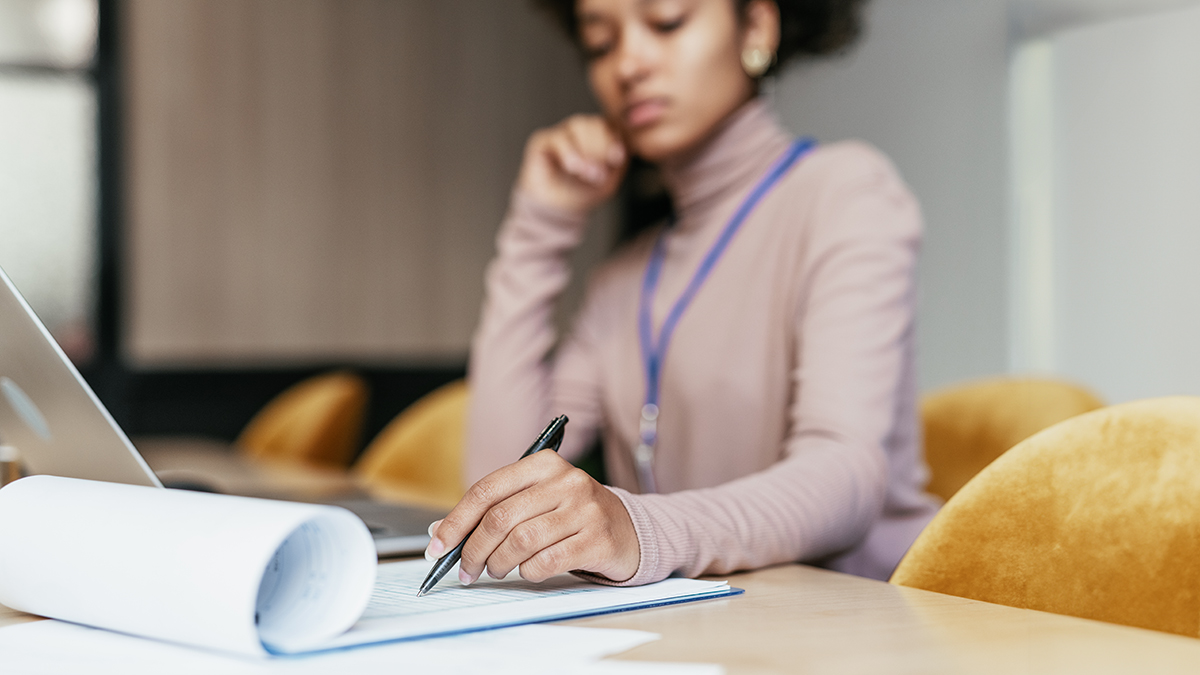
<point>736,155</point>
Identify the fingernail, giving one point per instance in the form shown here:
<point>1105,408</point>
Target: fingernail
<point>432,526</point>
<point>435,549</point>
<point>464,578</point>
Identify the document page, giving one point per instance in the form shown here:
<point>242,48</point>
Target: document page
<point>395,612</point>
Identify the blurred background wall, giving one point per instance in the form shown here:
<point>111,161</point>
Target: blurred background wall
<point>315,180</point>
<point>296,184</point>
<point>927,86</point>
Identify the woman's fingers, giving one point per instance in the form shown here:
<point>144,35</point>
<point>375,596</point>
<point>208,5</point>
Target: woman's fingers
<point>569,160</point>
<point>599,140</point>
<point>528,537</point>
<point>576,164</point>
<point>433,527</point>
<point>570,505</point>
<point>584,148</point>
<point>562,556</point>
<point>499,524</point>
<point>489,491</point>
<point>599,147</point>
<point>577,160</point>
<point>522,515</point>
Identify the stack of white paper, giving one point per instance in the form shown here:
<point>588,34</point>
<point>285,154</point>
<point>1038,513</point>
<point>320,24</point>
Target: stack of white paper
<point>252,577</point>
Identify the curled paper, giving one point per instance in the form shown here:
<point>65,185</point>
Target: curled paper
<point>229,573</point>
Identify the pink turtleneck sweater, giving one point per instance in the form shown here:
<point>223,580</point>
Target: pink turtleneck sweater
<point>788,429</point>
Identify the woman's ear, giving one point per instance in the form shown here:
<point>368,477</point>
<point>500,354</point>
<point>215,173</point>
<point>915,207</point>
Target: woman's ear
<point>760,36</point>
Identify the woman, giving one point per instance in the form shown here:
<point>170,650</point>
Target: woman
<point>766,414</point>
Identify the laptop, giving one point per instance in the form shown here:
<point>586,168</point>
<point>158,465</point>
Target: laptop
<point>59,427</point>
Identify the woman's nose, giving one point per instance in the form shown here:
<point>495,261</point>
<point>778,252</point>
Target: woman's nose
<point>636,56</point>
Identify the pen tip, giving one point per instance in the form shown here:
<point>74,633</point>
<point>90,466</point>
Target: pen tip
<point>422,591</point>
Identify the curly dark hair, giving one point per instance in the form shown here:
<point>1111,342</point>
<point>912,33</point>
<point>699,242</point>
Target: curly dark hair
<point>806,27</point>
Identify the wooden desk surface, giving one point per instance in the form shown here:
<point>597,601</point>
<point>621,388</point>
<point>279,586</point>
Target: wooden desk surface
<point>799,619</point>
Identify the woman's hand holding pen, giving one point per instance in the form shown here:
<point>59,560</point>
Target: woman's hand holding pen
<point>575,165</point>
<point>545,515</point>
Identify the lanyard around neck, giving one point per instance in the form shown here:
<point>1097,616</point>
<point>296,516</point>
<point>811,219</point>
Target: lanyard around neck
<point>655,351</point>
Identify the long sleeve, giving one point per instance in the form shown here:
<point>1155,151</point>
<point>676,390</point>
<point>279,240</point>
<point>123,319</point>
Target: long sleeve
<point>515,385</point>
<point>853,328</point>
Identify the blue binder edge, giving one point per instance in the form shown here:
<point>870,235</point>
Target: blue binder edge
<point>561,617</point>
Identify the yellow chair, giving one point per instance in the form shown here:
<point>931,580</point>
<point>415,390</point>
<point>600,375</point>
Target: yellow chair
<point>968,426</point>
<point>316,422</point>
<point>1097,517</point>
<point>418,457</point>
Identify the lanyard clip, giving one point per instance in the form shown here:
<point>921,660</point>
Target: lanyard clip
<point>648,429</point>
<point>643,456</point>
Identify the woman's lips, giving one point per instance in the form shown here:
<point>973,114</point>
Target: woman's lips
<point>645,113</point>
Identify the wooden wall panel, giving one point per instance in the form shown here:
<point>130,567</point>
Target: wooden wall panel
<point>315,180</point>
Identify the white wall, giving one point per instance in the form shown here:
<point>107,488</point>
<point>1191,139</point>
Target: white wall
<point>1104,290</point>
<point>928,86</point>
<point>1123,225</point>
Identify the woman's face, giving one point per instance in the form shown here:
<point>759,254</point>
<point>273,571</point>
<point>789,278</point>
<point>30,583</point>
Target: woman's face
<point>666,72</point>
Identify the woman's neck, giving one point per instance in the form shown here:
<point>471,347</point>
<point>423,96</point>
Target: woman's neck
<point>737,151</point>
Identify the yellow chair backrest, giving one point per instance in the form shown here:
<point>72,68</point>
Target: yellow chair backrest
<point>419,456</point>
<point>1097,517</point>
<point>968,426</point>
<point>316,422</point>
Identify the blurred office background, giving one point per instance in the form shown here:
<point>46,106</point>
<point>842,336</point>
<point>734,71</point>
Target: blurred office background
<point>207,200</point>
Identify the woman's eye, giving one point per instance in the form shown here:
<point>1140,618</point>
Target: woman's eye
<point>597,39</point>
<point>595,51</point>
<point>668,25</point>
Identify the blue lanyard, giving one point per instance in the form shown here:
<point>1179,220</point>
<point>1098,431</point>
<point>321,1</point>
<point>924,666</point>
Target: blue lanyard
<point>653,352</point>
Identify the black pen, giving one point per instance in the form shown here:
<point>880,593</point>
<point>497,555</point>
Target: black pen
<point>551,437</point>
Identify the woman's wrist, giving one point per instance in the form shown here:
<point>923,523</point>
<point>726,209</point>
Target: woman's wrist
<point>530,200</point>
<point>544,227</point>
<point>647,546</point>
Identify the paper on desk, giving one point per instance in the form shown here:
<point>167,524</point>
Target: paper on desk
<point>47,647</point>
<point>229,573</point>
<point>253,576</point>
<point>395,613</point>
